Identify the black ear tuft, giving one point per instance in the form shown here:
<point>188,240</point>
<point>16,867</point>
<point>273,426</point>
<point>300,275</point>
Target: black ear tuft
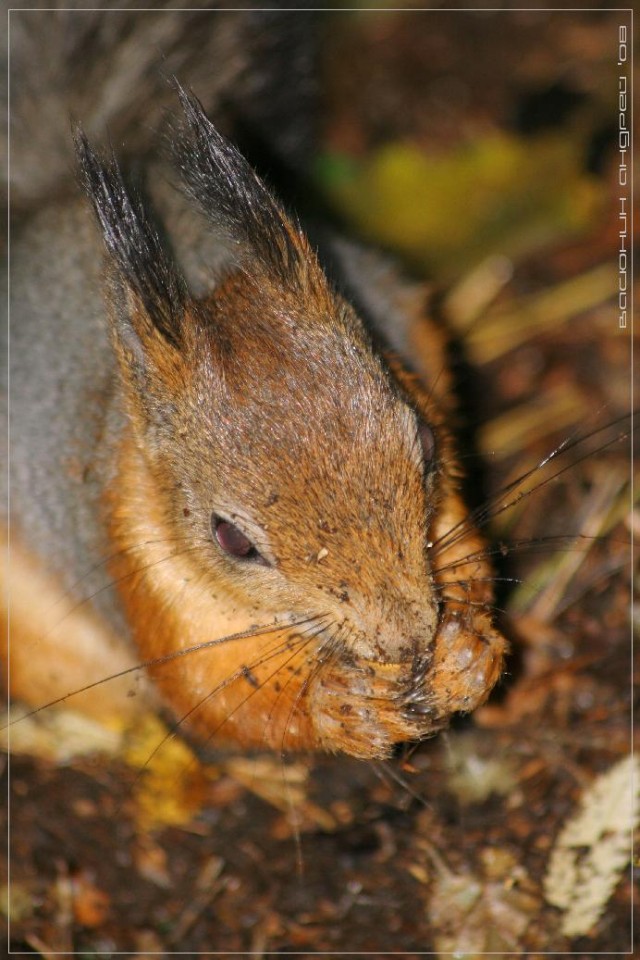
<point>132,242</point>
<point>233,197</point>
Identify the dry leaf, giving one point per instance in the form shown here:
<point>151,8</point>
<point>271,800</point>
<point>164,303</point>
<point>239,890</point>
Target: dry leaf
<point>594,847</point>
<point>284,786</point>
<point>473,916</point>
<point>90,904</point>
<point>172,784</point>
<point>472,775</point>
<point>59,736</point>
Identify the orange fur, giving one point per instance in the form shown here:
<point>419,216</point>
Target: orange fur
<point>54,648</point>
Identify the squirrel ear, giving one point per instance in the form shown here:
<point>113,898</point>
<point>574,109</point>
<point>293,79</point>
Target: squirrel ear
<point>140,261</point>
<point>237,203</point>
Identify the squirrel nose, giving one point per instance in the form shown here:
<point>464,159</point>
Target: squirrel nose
<point>398,635</point>
<point>398,646</point>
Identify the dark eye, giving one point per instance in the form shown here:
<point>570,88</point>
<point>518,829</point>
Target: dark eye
<point>233,541</point>
<point>427,442</point>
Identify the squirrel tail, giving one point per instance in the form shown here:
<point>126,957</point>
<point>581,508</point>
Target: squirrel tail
<point>108,68</point>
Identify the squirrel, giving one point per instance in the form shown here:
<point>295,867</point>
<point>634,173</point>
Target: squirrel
<point>230,454</point>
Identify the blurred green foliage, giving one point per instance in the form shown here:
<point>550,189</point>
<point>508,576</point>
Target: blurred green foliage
<point>443,212</point>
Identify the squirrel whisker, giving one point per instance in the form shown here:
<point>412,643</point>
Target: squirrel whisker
<point>547,543</point>
<point>112,582</point>
<point>491,509</point>
<point>330,643</point>
<point>154,662</point>
<point>177,724</point>
<point>249,668</point>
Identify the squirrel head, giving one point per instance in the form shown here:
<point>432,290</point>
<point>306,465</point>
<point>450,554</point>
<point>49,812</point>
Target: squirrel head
<point>306,475</point>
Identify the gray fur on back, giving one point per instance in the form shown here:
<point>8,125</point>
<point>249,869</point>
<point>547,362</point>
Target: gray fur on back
<point>61,390</point>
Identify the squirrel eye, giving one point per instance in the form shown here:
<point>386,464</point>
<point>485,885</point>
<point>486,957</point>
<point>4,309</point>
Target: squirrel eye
<point>233,541</point>
<point>427,442</point>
